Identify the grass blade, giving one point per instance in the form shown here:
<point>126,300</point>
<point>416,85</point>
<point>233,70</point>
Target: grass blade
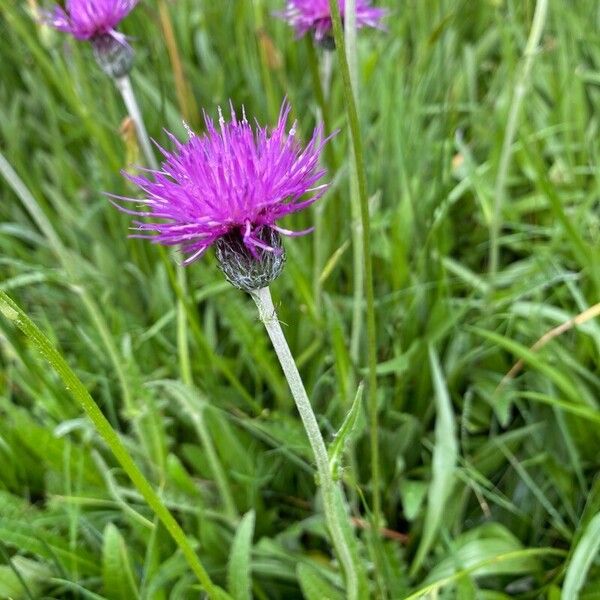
<point>13,313</point>
<point>239,577</point>
<point>584,555</point>
<point>445,455</point>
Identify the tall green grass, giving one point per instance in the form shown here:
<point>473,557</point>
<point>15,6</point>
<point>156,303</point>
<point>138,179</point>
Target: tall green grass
<point>487,491</point>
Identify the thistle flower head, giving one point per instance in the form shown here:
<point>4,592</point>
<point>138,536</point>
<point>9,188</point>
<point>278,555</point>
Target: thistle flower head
<point>314,16</point>
<point>88,19</point>
<point>230,186</point>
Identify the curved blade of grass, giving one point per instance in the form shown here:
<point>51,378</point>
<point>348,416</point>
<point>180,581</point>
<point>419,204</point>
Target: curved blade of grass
<point>239,576</point>
<point>508,556</point>
<point>529,357</point>
<point>580,410</point>
<point>520,89</point>
<point>346,433</point>
<point>17,574</point>
<point>13,313</point>
<point>582,559</point>
<point>117,571</point>
<point>314,585</point>
<point>445,454</point>
<point>192,403</point>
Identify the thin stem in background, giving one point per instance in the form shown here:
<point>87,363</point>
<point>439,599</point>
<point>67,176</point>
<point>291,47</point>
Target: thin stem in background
<point>272,105</point>
<point>323,114</point>
<point>124,86</point>
<point>182,331</point>
<point>195,406</point>
<point>204,346</point>
<point>327,73</point>
<point>185,98</point>
<point>13,313</point>
<point>357,143</point>
<point>216,466</point>
<point>268,316</point>
<point>357,231</point>
<point>324,78</point>
<point>521,85</point>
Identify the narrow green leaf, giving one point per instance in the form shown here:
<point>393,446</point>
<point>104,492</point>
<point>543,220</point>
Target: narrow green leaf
<point>78,589</point>
<point>445,454</point>
<point>10,584</point>
<point>13,313</point>
<point>432,590</point>
<point>412,494</point>
<point>480,544</point>
<point>239,577</point>
<point>533,359</point>
<point>347,431</point>
<point>584,555</point>
<point>117,572</point>
<point>315,586</point>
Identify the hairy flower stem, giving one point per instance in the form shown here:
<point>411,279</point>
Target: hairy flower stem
<point>361,176</point>
<point>330,489</point>
<point>521,85</point>
<point>124,86</point>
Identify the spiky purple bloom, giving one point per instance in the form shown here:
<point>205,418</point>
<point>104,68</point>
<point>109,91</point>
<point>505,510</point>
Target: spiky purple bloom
<point>314,16</point>
<point>230,186</point>
<point>88,19</point>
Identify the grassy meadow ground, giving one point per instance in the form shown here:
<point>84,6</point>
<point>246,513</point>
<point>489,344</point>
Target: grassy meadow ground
<point>487,492</point>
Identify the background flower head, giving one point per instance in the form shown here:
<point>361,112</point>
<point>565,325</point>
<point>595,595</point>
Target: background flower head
<point>314,16</point>
<point>87,19</point>
<point>235,179</point>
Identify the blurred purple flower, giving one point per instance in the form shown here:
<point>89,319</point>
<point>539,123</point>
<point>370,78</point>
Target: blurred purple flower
<point>314,16</point>
<point>233,181</point>
<point>88,19</point>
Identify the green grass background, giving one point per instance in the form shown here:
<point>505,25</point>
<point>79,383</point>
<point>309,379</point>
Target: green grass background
<point>496,492</point>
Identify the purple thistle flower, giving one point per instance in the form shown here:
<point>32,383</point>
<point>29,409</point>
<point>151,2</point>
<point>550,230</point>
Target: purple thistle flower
<point>88,19</point>
<point>229,187</point>
<point>314,15</point>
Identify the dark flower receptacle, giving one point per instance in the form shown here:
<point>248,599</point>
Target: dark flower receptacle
<point>114,56</point>
<point>327,42</point>
<point>245,270</point>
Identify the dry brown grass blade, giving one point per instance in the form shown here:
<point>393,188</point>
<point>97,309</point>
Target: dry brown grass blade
<point>579,319</point>
<point>185,98</point>
<point>390,534</point>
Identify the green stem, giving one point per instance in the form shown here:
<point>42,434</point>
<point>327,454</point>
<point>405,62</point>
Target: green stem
<point>124,86</point>
<point>357,145</point>
<point>357,232</point>
<point>75,387</point>
<point>521,84</point>
<point>330,489</point>
<point>321,83</point>
<point>182,331</point>
<point>215,466</point>
<point>201,340</point>
<point>264,59</point>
